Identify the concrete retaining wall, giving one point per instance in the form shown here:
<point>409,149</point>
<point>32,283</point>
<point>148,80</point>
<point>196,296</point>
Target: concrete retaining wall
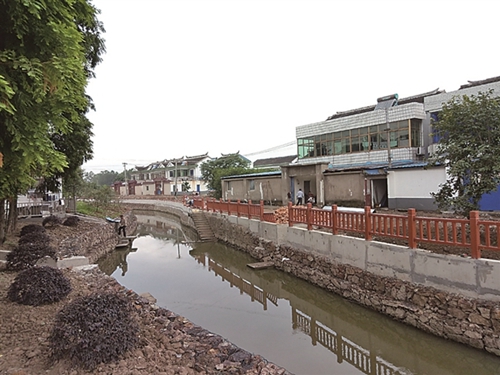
<point>452,297</point>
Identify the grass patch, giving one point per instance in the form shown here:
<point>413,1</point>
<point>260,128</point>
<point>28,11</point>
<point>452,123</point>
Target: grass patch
<point>101,211</point>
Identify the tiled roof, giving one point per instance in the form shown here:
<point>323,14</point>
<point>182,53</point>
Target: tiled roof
<point>479,83</point>
<point>261,174</point>
<point>280,160</point>
<point>398,164</point>
<point>410,99</point>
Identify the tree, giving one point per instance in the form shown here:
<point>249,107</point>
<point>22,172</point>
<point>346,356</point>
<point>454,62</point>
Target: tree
<point>469,148</point>
<point>227,165</point>
<point>47,52</point>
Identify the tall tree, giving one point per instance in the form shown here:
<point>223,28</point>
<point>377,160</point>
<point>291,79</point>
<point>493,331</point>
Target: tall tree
<point>48,49</point>
<point>469,148</point>
<point>213,170</point>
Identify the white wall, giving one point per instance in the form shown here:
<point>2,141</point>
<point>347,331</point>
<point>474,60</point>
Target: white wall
<point>414,183</point>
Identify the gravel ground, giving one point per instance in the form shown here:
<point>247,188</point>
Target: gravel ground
<point>169,343</point>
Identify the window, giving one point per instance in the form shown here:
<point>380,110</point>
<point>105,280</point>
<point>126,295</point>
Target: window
<point>415,126</point>
<point>403,133</point>
<point>251,184</point>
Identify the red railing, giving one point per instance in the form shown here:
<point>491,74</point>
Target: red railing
<point>472,233</point>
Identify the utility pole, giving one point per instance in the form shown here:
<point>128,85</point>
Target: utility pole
<point>388,131</point>
<point>175,179</point>
<point>125,174</point>
<point>385,103</point>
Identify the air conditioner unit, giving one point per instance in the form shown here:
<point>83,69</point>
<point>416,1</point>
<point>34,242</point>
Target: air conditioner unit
<point>420,151</point>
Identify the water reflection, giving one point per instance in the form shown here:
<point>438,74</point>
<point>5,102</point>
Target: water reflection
<point>117,259</point>
<point>368,341</point>
<point>287,320</point>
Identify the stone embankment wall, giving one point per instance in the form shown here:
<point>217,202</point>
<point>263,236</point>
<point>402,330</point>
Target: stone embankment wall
<point>173,208</point>
<point>472,321</point>
<point>98,242</point>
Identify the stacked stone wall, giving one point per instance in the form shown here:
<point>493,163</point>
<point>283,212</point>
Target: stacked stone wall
<point>474,322</point>
<point>98,242</point>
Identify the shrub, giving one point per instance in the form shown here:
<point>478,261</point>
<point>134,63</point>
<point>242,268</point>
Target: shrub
<point>26,255</point>
<point>38,286</point>
<point>71,221</point>
<point>38,238</point>
<point>94,329</point>
<point>31,228</point>
<point>51,221</point>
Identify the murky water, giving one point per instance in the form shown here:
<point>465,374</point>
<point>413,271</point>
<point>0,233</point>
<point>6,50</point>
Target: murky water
<point>288,321</point>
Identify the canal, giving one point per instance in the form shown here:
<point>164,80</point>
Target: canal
<point>286,320</point>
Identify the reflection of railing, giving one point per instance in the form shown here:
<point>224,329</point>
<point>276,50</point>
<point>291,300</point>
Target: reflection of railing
<point>243,285</point>
<point>345,349</point>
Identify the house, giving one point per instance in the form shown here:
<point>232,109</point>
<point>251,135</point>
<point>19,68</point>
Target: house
<point>348,160</point>
<point>185,173</point>
<point>166,177</point>
<point>255,187</point>
<point>344,159</point>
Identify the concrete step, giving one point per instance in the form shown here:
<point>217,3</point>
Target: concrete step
<point>204,231</point>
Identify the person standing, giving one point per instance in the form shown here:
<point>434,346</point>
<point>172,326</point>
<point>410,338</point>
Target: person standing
<point>300,197</point>
<point>122,226</point>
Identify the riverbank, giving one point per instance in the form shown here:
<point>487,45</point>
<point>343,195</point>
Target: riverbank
<point>169,344</point>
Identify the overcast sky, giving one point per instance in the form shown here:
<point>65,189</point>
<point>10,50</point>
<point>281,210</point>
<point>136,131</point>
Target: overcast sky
<point>186,77</point>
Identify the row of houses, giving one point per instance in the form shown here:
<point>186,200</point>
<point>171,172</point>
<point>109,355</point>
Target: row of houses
<point>375,155</point>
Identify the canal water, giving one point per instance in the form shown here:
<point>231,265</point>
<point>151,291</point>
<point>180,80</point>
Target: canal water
<point>268,312</point>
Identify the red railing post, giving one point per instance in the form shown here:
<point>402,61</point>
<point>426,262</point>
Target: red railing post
<point>335,229</point>
<point>368,223</point>
<point>220,205</point>
<point>249,206</point>
<point>261,210</point>
<point>412,229</point>
<point>474,234</point>
<point>290,214</point>
<point>229,207</point>
<point>238,208</point>
<point>309,216</point>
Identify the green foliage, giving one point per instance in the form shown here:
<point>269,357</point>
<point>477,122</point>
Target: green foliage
<point>213,170</point>
<point>94,329</point>
<point>48,50</point>
<point>88,208</point>
<point>39,286</point>
<point>185,186</point>
<point>469,147</point>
